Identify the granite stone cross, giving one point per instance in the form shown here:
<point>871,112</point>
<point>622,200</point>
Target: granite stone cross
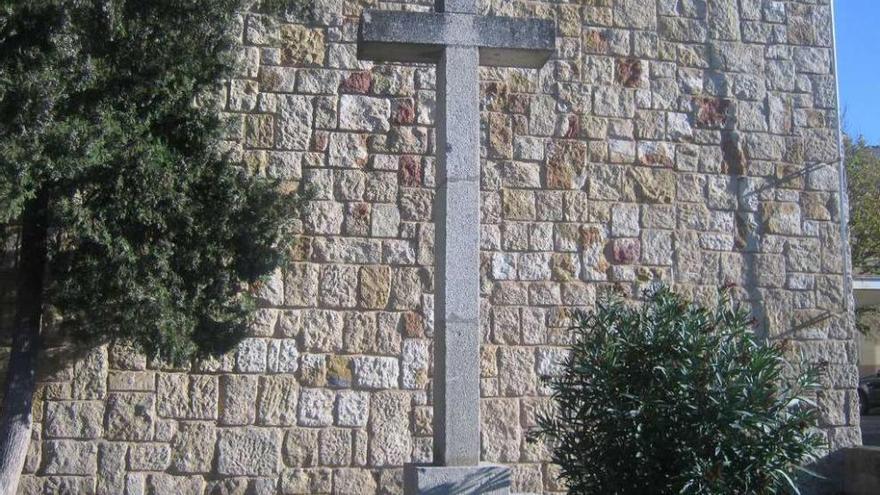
<point>458,41</point>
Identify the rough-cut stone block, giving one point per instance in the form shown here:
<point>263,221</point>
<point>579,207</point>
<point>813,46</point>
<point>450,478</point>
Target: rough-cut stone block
<point>415,362</point>
<point>339,286</point>
<point>293,129</point>
<point>248,452</point>
<point>566,165</point>
<point>74,419</point>
<point>306,481</point>
<point>130,416</point>
<point>361,446</point>
<point>111,468</point>
<point>375,372</point>
<point>625,251</point>
<point>269,290</point>
<point>406,288</point>
<point>301,284</point>
<point>348,150</point>
<point>31,485</point>
<point>318,81</point>
<point>335,447</point>
<point>500,433</point>
<point>259,131</point>
<point>313,370</point>
<point>657,247</point>
<point>357,82</point>
<point>354,481</point>
<point>192,448</point>
<point>388,336</point>
<point>238,395</point>
<point>148,457</point>
<point>283,356</point>
<point>516,371</point>
<point>385,220</point>
<point>316,407</point>
<point>321,331</point>
<point>62,484</point>
<point>90,375</point>
<point>375,286</point>
<point>134,381</point>
<point>352,408</point>
<point>278,400</point>
<point>302,46</point>
<point>364,113</point>
<point>281,79</point>
<point>161,483</point>
<point>542,116</point>
<point>250,357</point>
<point>228,486</point>
<point>390,439</point>
<point>625,220</point>
<point>782,218</point>
<point>70,457</point>
<point>634,14</point>
<point>339,372</point>
<point>301,447</point>
<point>187,397</point>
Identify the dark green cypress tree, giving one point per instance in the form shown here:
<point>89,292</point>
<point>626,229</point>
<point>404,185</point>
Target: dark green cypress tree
<point>133,225</point>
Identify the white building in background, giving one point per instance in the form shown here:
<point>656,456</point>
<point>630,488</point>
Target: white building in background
<point>866,290</point>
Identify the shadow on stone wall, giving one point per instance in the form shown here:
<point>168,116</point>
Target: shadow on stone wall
<point>57,356</point>
<point>849,471</point>
<point>8,251</point>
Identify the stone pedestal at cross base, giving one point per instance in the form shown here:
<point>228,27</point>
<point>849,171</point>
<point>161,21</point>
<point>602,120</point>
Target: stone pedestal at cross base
<point>458,41</point>
<point>484,479</point>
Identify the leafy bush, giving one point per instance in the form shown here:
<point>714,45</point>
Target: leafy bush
<point>671,397</point>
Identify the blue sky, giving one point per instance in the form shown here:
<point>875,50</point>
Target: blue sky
<point>858,52</point>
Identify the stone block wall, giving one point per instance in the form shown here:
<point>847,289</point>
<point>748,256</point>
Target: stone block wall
<point>688,141</point>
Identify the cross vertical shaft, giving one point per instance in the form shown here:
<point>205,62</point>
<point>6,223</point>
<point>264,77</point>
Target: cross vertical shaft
<point>458,41</point>
<point>457,304</point>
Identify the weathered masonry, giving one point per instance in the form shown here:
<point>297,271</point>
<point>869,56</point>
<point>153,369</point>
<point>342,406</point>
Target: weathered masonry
<point>687,141</point>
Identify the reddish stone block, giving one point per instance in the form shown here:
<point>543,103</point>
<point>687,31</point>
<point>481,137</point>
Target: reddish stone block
<point>574,127</point>
<point>566,164</point>
<point>596,42</point>
<point>518,103</point>
<point>320,141</point>
<point>711,112</point>
<point>357,82</point>
<point>410,171</point>
<point>495,96</point>
<point>625,251</point>
<point>629,72</point>
<point>403,112</point>
<point>413,326</point>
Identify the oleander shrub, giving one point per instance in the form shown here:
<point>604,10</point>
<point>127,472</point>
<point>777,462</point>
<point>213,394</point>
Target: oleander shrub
<point>672,397</point>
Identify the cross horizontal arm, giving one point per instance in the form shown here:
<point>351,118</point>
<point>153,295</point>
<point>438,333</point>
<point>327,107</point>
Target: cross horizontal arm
<point>389,36</point>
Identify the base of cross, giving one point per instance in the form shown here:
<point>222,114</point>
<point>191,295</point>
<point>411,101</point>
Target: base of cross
<point>485,479</point>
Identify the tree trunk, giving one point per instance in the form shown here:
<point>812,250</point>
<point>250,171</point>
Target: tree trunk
<point>16,417</point>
